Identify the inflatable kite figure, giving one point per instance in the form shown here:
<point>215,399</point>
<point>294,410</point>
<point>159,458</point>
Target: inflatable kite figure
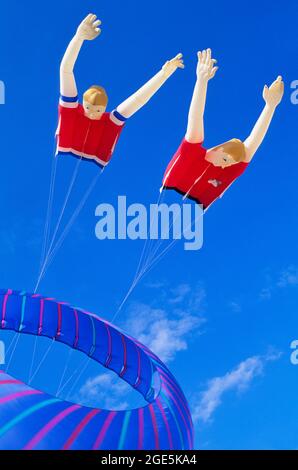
<point>31,419</point>
<point>204,175</point>
<point>88,131</point>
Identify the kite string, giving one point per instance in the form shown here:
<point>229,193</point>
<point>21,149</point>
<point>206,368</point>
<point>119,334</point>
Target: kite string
<point>78,377</point>
<point>42,361</point>
<point>32,359</point>
<point>139,278</point>
<point>160,243</point>
<point>65,370</point>
<point>146,261</point>
<point>158,258</point>
<point>149,266</point>
<point>142,260</point>
<point>73,375</point>
<point>49,210</point>
<point>196,181</point>
<point>11,343</point>
<point>151,241</point>
<point>148,241</point>
<point>73,179</point>
<point>67,228</point>
<point>136,281</point>
<point>161,191</point>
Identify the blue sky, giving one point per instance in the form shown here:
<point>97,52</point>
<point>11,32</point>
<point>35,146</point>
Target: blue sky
<point>234,303</point>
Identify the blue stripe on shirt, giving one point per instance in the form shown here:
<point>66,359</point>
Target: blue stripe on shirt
<point>119,116</point>
<point>69,99</point>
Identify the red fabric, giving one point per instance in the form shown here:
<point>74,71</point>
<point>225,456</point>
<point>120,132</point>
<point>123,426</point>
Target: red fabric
<point>189,164</point>
<point>90,137</point>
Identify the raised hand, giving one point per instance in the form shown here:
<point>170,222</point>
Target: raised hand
<point>273,95</point>
<point>172,65</point>
<point>89,28</point>
<point>206,65</point>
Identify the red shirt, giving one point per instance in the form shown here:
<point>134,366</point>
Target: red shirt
<point>87,138</point>
<point>189,173</point>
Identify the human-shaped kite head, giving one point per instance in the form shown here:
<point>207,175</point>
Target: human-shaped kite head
<point>95,101</point>
<point>227,154</point>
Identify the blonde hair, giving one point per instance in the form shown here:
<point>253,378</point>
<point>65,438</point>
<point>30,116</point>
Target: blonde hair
<point>96,95</point>
<point>235,148</point>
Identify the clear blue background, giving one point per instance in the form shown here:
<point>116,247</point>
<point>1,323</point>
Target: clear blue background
<point>250,235</point>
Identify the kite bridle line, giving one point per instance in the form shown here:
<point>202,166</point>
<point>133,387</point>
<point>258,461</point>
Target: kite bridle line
<point>146,263</point>
<point>51,251</point>
<point>150,265</point>
<point>145,254</point>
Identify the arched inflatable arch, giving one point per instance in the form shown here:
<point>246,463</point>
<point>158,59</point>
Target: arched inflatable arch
<point>31,419</point>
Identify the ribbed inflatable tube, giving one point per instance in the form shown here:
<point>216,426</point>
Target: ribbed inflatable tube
<point>31,419</point>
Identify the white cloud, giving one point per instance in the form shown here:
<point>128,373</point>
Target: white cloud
<point>164,335</point>
<point>155,285</point>
<point>235,306</point>
<point>179,293</point>
<point>106,389</point>
<point>237,380</point>
<point>167,330</point>
<point>266,293</point>
<point>288,277</point>
<point>19,234</point>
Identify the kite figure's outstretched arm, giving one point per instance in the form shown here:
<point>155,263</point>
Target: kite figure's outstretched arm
<point>272,97</point>
<point>205,71</point>
<point>87,30</point>
<point>135,102</point>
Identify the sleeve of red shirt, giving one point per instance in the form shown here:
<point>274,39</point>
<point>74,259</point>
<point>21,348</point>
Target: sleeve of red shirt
<point>117,118</point>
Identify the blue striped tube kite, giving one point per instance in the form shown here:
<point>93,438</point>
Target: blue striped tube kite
<point>33,420</point>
